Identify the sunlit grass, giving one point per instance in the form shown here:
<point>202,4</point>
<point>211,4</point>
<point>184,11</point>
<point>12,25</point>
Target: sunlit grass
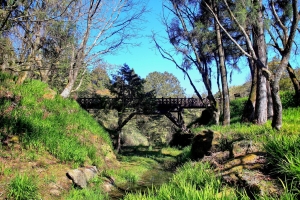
<point>23,187</point>
<point>56,125</point>
<point>185,184</point>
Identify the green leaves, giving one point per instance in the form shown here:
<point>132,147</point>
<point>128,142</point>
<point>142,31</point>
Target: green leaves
<point>164,85</point>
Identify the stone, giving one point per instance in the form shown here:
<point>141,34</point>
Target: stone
<point>81,176</point>
<point>181,140</point>
<point>205,143</point>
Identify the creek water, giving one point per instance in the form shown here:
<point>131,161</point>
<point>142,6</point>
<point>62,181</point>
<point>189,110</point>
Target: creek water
<point>152,178</point>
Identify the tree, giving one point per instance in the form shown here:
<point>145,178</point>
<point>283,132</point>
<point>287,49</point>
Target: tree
<point>27,24</point>
<point>184,34</point>
<point>62,39</point>
<point>164,85</point>
<point>128,89</point>
<point>285,17</point>
<point>103,26</point>
<point>259,58</point>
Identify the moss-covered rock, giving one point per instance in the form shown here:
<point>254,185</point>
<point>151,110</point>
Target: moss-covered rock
<point>204,143</point>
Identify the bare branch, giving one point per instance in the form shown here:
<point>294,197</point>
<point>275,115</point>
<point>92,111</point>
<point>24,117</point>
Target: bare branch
<point>165,54</point>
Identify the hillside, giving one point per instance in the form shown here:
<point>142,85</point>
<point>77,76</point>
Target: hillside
<point>43,136</point>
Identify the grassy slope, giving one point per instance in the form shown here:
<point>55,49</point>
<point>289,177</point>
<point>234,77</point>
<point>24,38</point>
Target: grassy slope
<point>44,135</point>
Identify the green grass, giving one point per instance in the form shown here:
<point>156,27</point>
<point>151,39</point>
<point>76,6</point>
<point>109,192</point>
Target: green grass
<point>57,125</point>
<point>133,167</point>
<point>92,194</point>
<point>284,156</point>
<point>23,187</point>
<point>192,181</point>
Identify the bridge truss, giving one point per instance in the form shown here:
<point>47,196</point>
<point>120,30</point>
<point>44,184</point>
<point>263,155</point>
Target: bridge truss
<point>161,106</point>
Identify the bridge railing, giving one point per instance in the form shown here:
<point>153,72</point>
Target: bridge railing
<point>98,103</point>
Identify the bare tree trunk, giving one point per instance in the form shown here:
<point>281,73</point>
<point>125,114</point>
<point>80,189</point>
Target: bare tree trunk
<point>270,102</point>
<point>223,71</point>
<point>72,79</point>
<point>294,80</point>
<point>76,58</point>
<point>285,53</point>
<point>249,109</point>
<point>119,132</point>
<point>261,106</point>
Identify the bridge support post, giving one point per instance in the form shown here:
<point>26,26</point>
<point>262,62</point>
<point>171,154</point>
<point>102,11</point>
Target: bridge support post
<point>177,121</point>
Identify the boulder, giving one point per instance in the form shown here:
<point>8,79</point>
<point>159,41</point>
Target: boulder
<point>81,176</point>
<point>204,143</point>
<point>181,140</point>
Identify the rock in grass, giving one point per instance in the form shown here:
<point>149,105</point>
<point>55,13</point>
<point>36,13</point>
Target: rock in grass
<point>204,143</point>
<point>81,176</point>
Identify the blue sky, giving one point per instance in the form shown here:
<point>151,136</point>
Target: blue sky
<point>145,59</point>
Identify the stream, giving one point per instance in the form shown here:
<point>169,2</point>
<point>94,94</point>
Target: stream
<point>154,177</point>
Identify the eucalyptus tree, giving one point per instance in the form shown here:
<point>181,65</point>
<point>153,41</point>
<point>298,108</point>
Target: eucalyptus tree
<point>257,53</point>
<point>194,34</point>
<point>284,22</point>
<point>286,16</point>
<point>193,41</point>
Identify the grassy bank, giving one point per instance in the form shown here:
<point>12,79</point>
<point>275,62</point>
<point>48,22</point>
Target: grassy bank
<point>42,136</point>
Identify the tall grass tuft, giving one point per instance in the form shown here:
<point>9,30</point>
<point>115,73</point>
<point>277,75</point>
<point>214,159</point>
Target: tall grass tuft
<point>192,181</point>
<point>23,187</point>
<point>284,156</point>
<point>93,194</point>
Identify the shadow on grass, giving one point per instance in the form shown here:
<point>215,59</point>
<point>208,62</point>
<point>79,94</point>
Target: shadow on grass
<point>143,151</point>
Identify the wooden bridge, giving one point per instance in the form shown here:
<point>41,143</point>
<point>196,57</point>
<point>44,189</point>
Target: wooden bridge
<point>163,106</point>
<point>171,104</point>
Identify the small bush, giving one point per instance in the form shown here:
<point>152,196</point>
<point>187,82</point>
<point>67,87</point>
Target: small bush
<point>288,99</point>
<point>237,107</point>
<point>23,187</point>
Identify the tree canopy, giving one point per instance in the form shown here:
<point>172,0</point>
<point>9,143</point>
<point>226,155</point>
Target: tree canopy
<point>164,85</point>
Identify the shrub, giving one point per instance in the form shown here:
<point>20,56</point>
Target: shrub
<point>288,99</point>
<point>237,106</point>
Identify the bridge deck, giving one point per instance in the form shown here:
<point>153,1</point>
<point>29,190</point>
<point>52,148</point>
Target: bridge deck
<point>160,103</point>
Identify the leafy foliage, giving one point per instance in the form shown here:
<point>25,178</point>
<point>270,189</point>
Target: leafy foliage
<point>164,84</point>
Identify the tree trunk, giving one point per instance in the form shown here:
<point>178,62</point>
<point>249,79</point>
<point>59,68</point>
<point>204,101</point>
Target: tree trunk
<point>223,71</point>
<point>249,109</point>
<point>261,106</point>
<point>73,72</point>
<point>72,78</point>
<point>270,102</point>
<point>277,106</point>
<point>294,80</point>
